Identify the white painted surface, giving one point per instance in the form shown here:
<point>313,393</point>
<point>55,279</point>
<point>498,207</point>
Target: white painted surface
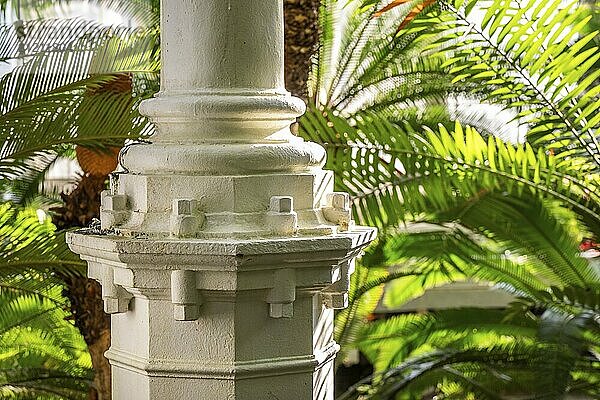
<point>224,250</point>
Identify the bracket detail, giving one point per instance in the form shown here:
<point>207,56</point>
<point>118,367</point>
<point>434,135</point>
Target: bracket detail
<point>113,210</point>
<point>338,210</point>
<point>281,217</point>
<point>335,296</point>
<point>282,295</point>
<point>116,298</point>
<point>185,296</point>
<point>186,218</point>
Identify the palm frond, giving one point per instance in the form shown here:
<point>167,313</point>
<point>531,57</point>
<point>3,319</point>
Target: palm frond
<point>363,65</point>
<point>41,354</point>
<point>398,172</point>
<point>525,227</point>
<point>431,364</point>
<point>366,290</point>
<point>142,12</point>
<point>28,245</point>
<point>62,91</point>
<point>531,59</point>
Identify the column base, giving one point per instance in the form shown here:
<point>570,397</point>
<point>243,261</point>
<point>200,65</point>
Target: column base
<point>260,327</point>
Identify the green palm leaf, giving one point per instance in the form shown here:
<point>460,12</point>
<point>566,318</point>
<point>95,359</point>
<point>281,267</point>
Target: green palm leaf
<point>42,355</point>
<point>362,65</point>
<point>28,245</point>
<point>532,60</point>
<point>142,12</point>
<point>397,172</point>
<point>64,107</point>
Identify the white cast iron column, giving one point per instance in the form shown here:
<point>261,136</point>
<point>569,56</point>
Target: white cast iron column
<point>222,250</point>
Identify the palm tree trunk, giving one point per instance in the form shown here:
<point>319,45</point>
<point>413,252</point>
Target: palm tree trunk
<point>86,305</point>
<point>85,295</point>
<point>301,38</point>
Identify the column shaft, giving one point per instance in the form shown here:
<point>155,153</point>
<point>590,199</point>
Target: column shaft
<point>229,46</point>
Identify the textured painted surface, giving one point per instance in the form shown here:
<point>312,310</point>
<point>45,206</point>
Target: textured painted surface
<point>223,251</point>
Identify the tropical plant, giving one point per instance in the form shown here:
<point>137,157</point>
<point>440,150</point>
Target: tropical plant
<point>59,93</point>
<point>453,204</point>
<point>362,66</point>
<point>70,75</point>
<point>378,80</point>
<point>42,356</point>
<point>545,344</point>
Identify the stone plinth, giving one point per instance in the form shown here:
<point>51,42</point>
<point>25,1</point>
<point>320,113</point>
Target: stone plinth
<point>244,319</point>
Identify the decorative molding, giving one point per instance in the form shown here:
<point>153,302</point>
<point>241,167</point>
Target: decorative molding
<point>230,371</point>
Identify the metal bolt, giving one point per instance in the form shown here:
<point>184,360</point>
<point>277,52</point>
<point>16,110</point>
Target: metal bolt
<point>339,200</point>
<point>184,206</point>
<point>277,310</point>
<point>116,305</point>
<point>113,202</point>
<point>282,204</point>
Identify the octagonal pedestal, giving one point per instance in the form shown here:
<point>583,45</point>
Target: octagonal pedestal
<point>200,319</point>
